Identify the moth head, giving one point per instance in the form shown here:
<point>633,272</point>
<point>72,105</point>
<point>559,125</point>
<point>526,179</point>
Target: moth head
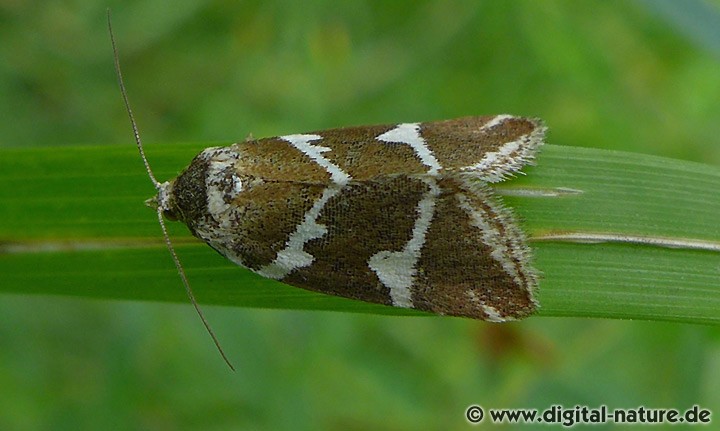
<point>162,201</point>
<point>184,198</point>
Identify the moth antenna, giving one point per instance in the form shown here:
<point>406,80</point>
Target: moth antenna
<point>188,290</point>
<point>136,132</point>
<point>158,187</point>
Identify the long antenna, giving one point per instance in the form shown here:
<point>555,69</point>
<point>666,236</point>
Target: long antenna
<point>158,187</point>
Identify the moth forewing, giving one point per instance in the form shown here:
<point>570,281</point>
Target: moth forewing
<point>393,214</point>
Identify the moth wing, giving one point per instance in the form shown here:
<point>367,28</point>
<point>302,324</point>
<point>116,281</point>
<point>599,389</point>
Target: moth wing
<point>491,147</point>
<point>475,261</point>
<point>361,222</point>
<point>445,245</point>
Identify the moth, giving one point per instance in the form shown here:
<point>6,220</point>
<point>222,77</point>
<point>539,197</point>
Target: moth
<point>398,214</point>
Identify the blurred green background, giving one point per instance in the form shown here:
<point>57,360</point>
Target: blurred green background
<point>641,76</point>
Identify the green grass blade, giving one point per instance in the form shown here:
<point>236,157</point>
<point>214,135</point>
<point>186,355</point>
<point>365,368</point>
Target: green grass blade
<point>74,223</point>
<point>633,195</point>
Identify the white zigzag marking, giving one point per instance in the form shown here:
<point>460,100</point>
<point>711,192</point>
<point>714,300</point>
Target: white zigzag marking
<point>409,133</point>
<point>302,143</point>
<point>495,163</point>
<point>397,269</point>
<point>491,237</point>
<point>497,120</point>
<point>294,256</point>
<point>510,157</point>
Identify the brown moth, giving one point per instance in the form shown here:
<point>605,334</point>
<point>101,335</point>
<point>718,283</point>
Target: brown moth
<point>397,214</point>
